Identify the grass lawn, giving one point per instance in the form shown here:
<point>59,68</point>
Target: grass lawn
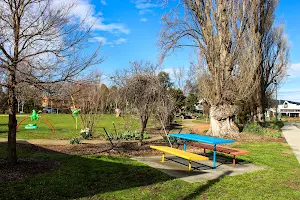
<point>102,177</point>
<point>201,121</point>
<point>64,125</point>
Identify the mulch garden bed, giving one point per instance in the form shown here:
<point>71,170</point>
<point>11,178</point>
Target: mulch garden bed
<point>28,167</point>
<point>25,168</point>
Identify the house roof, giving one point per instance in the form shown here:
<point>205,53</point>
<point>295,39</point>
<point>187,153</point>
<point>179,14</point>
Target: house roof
<point>280,102</point>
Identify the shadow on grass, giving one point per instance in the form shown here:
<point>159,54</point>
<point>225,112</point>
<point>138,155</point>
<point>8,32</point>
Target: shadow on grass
<point>78,176</point>
<point>226,159</point>
<point>195,165</point>
<point>82,176</point>
<point>203,188</point>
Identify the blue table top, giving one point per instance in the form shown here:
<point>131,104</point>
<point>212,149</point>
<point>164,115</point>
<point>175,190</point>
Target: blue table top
<point>202,138</point>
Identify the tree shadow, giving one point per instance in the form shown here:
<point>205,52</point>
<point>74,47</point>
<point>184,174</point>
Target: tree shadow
<point>203,188</point>
<point>84,176</point>
<point>195,165</point>
<point>226,159</point>
<point>79,176</point>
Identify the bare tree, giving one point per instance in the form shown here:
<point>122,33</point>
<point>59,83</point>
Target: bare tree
<point>270,54</point>
<point>114,99</point>
<point>46,40</point>
<point>25,93</point>
<point>218,29</point>
<point>274,58</point>
<point>164,110</point>
<point>143,90</point>
<point>192,81</point>
<point>178,74</point>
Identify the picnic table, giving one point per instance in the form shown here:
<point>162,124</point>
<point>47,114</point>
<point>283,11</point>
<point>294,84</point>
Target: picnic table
<point>204,139</point>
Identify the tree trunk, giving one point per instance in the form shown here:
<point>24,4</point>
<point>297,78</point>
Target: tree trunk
<point>260,113</point>
<point>222,121</point>
<point>261,105</point>
<point>253,111</point>
<point>12,120</point>
<point>143,122</point>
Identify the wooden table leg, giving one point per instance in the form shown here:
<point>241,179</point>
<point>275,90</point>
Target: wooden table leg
<point>215,156</point>
<point>234,161</point>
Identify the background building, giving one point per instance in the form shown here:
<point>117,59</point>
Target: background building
<point>289,108</point>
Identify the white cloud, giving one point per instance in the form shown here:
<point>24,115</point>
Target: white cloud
<point>143,19</point>
<point>293,90</point>
<point>289,97</point>
<point>145,7</point>
<point>120,41</point>
<point>290,90</point>
<point>103,2</point>
<point>85,11</point>
<point>169,70</point>
<point>104,41</point>
<point>294,70</point>
<point>143,12</point>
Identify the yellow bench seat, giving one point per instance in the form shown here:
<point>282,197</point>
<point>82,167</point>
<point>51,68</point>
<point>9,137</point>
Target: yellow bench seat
<point>180,153</point>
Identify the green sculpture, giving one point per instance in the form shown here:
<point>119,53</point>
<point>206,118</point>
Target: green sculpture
<point>34,116</point>
<point>75,112</point>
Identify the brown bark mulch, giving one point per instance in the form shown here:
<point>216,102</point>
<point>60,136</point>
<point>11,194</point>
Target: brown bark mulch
<point>127,149</point>
<point>26,167</point>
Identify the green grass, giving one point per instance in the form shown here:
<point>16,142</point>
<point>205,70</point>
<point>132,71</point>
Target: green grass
<point>102,177</point>
<point>201,121</point>
<point>64,125</point>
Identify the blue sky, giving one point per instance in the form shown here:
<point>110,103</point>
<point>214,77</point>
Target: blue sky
<point>129,31</point>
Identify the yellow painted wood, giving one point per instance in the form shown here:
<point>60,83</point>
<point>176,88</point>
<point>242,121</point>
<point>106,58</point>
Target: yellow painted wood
<point>180,153</point>
<point>163,157</point>
<point>190,165</point>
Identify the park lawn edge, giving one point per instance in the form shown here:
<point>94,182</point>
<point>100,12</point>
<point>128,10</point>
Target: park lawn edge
<point>123,178</point>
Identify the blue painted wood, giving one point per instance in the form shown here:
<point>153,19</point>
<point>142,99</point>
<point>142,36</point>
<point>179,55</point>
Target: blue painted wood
<point>204,139</point>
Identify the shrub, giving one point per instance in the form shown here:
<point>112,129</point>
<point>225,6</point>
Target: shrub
<point>277,123</point>
<point>86,134</point>
<point>257,129</point>
<point>129,135</point>
<point>254,128</point>
<point>173,140</point>
<point>274,134</point>
<point>75,140</point>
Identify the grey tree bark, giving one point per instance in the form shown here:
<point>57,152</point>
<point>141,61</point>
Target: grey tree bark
<point>12,120</point>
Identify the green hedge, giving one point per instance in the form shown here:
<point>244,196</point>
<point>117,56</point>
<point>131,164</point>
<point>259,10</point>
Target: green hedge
<point>261,129</point>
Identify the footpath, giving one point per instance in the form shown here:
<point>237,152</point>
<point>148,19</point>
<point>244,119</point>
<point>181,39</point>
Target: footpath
<point>292,136</point>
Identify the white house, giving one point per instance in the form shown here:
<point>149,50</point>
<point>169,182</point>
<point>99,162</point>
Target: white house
<point>289,108</point>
